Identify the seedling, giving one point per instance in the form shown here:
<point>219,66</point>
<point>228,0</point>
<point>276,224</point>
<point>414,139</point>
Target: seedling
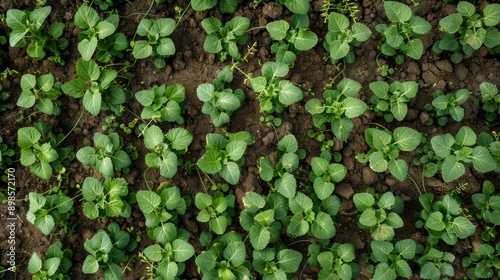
<point>225,156</point>
<point>56,265</point>
<point>112,125</point>
<point>290,40</point>
<point>340,40</point>
<point>39,150</point>
<point>400,37</point>
<point>6,156</point>
<point>345,7</point>
<point>157,45</point>
<point>106,4</point>
<point>46,212</point>
<point>482,262</point>
<point>106,251</point>
<point>436,264</point>
<point>216,211</point>
<point>391,100</point>
<point>161,207</point>
<point>224,41</point>
<point>273,263</point>
<point>491,100</point>
<point>224,258</point>
<point>492,143</point>
<point>443,219</point>
<point>163,103</point>
<point>42,89</point>
<point>325,175</point>
<point>107,199</point>
<point>466,31</point>
<point>225,6</point>
<point>220,102</point>
<point>288,156</point>
<point>379,214</point>
<point>28,29</point>
<point>4,95</point>
<point>385,148</point>
<point>487,208</point>
<point>97,87</point>
<point>338,108</point>
<point>108,157</point>
<point>336,262</point>
<point>94,28</point>
<point>273,92</point>
<point>391,259</point>
<point>444,105</point>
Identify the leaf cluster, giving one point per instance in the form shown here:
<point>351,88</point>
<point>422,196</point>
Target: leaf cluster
<point>6,155</point>
<point>166,149</point>
<point>340,40</point>
<point>338,108</point>
<point>98,88</point>
<point>106,199</point>
<point>379,214</point>
<point>224,40</point>
<point>163,103</point>
<point>39,150</point>
<point>4,95</point>
<point>436,264</point>
<point>392,259</point>
<point>466,31</point>
<point>108,156</point>
<point>325,175</point>
<point>45,212</point>
<point>336,262</point>
<point>483,261</point>
<point>220,102</point>
<point>224,258</point>
<point>491,100</point>
<point>56,264</point>
<point>493,145</point>
<point>276,263</point>
<point>443,219</point>
<point>225,6</point>
<point>157,43</point>
<point>391,100</point>
<point>444,105</point>
<point>216,210</point>
<point>273,92</point>
<point>291,40</point>
<point>106,4</point>
<point>487,208</point>
<point>225,155</point>
<point>42,89</point>
<point>400,37</point>
<point>107,251</point>
<point>28,29</point>
<point>385,148</point>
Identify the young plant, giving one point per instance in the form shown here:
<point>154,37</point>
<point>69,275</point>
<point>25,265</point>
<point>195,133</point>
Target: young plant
<point>46,212</point>
<point>108,157</point>
<point>336,262</point>
<point>273,92</point>
<point>39,150</point>
<point>492,144</point>
<point>28,29</point>
<point>487,208</point>
<point>482,262</point>
<point>456,153</point>
<point>220,102</point>
<point>42,89</point>
<point>325,175</point>
<point>444,105</point>
<point>340,40</point>
<point>6,156</point>
<point>216,211</point>
<point>162,103</point>
<point>4,95</point>
<point>435,264</point>
<point>288,156</point>
<point>107,251</point>
<point>106,4</point>
<point>97,87</point>
<point>276,263</point>
<point>291,40</point>
<point>94,28</point>
<point>224,41</point>
<point>157,45</point>
<point>400,38</point>
<point>225,6</point>
<point>56,265</point>
<point>392,259</point>
<point>391,100</point>
<point>491,100</point>
<point>225,156</point>
<point>338,108</point>
<point>466,31</point>
<point>107,199</point>
<point>443,219</point>
<point>385,148</point>
<point>379,213</point>
<point>224,258</point>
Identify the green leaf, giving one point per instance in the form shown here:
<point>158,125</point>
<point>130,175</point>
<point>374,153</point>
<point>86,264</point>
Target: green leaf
<point>259,237</point>
<point>363,201</point>
<point>368,218</point>
<point>305,40</point>
<point>231,173</point>
<point>323,189</point>
<point>210,25</point>
<point>435,221</point>
<point>452,169</point>
<point>491,14</point>
<point>92,102</point>
<point>323,227</point>
<point>463,227</point>
<point>382,232</point>
<point>289,260</point>
<point>113,272</point>
<point>378,162</point>
<point>298,6</point>
<point>182,250</point>
<point>42,169</point>
<point>398,168</point>
<point>354,107</point>
<point>142,49</point>
<point>210,162</point>
<point>381,250</point>
<point>266,169</point>
<point>277,29</point>
<point>465,136</point>
<point>27,136</point>
<point>288,144</point>
<point>90,265</point>
<point>105,29</point>
<point>482,160</point>
<point>442,144</point>
<point>420,25</point>
<point>34,264</point>
<point>286,185</point>
<point>406,248</point>
<point>154,252</point>
<point>338,49</point>
<point>361,32</point>
<point>164,26</point>
<point>87,70</point>
<point>180,138</point>
<point>451,24</point>
<point>45,224</point>
<point>236,149</point>
<point>297,226</point>
<point>239,25</point>
<point>218,225</point>
<point>212,44</point>
<point>397,12</point>
<point>337,22</point>
<point>86,17</point>
<point>148,201</point>
<point>166,47</point>
<point>414,48</point>
<point>153,137</point>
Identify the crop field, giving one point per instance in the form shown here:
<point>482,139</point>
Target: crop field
<point>249,139</point>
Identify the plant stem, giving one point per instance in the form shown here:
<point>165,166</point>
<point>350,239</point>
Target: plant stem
<point>73,128</point>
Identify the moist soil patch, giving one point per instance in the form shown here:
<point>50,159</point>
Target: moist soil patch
<point>192,66</point>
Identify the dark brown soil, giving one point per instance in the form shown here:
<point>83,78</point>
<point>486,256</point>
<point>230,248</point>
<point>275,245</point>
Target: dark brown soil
<point>192,66</point>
